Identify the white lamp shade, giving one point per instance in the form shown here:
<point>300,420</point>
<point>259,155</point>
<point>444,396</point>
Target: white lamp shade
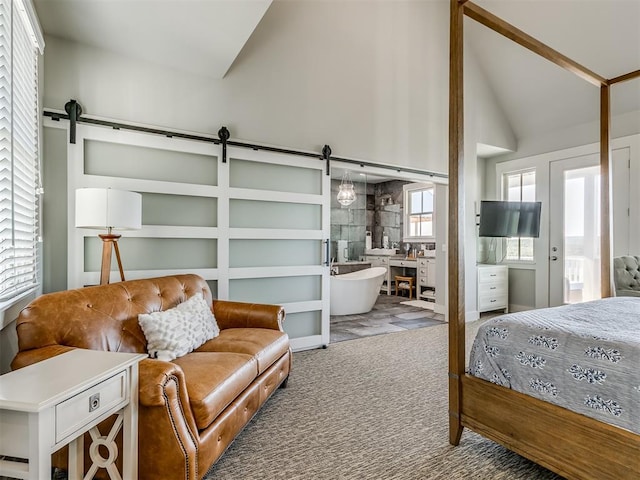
<point>103,208</point>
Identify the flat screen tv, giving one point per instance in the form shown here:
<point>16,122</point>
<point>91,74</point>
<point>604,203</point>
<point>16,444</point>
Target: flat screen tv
<point>509,219</point>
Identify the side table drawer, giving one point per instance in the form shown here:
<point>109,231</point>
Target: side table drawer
<point>492,289</point>
<point>492,274</point>
<point>76,412</point>
<point>492,302</point>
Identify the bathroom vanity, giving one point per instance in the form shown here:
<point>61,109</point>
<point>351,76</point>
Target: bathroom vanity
<point>426,278</point>
<point>422,268</point>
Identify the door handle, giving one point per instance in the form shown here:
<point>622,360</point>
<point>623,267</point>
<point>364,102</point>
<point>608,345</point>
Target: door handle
<point>327,259</point>
<point>553,258</point>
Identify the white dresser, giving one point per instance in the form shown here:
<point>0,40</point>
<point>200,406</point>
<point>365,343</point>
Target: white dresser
<point>493,288</point>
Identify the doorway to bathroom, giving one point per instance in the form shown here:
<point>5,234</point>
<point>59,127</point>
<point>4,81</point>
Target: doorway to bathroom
<point>373,220</point>
<point>371,228</point>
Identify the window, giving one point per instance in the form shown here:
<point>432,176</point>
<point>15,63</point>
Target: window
<point>19,138</point>
<point>419,211</point>
<point>519,187</point>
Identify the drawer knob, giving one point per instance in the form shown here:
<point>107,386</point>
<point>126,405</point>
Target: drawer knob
<point>94,402</point>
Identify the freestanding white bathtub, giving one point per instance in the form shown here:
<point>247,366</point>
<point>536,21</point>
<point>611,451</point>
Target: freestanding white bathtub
<point>356,292</point>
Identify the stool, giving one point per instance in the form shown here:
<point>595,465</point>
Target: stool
<point>404,283</point>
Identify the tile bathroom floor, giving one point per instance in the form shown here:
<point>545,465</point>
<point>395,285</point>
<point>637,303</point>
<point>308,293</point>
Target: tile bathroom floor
<point>387,316</point>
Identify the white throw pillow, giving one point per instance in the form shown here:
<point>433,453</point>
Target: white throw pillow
<point>175,332</point>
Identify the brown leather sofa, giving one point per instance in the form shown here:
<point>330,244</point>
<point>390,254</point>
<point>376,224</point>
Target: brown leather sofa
<point>190,409</point>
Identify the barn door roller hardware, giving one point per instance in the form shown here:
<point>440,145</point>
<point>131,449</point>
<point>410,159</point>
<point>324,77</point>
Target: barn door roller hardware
<point>223,135</point>
<point>326,154</point>
<point>74,110</point>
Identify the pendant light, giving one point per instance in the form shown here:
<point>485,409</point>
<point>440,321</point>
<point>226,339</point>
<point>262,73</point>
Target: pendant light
<point>346,192</point>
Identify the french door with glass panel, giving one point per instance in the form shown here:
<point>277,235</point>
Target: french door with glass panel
<point>574,225</point>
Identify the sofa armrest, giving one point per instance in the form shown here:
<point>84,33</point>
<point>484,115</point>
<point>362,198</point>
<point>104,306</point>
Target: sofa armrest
<point>153,376</point>
<point>168,436</point>
<point>248,315</point>
<point>29,357</point>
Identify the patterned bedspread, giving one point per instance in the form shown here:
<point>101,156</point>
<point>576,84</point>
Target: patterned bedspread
<point>584,357</point>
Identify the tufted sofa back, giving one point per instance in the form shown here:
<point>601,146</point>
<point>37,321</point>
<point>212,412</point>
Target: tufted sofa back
<point>103,317</point>
<point>626,274</point>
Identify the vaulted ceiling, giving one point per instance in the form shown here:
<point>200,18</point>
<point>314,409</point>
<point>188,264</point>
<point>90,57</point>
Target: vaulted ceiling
<point>538,96</point>
<point>197,36</point>
<point>206,36</point>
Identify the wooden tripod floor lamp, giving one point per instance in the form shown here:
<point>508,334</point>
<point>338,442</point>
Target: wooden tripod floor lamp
<point>108,209</point>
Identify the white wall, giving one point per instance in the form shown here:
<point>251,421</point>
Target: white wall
<point>370,79</point>
<point>483,123</point>
<point>580,134</point>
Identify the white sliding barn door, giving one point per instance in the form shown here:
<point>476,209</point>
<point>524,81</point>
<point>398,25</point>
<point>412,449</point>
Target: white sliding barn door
<point>278,229</point>
<point>254,227</point>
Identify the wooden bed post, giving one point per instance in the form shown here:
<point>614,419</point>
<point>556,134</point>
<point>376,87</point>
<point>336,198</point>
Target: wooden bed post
<point>606,167</point>
<point>455,245</point>
<point>605,191</point>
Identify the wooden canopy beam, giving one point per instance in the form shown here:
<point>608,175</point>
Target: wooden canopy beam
<point>498,25</point>
<point>625,77</point>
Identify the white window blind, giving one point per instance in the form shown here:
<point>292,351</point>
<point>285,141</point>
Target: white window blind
<point>19,142</point>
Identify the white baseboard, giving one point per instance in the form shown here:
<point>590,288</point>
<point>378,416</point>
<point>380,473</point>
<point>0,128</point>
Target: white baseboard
<point>306,343</point>
<point>442,309</point>
<point>519,308</point>
<point>472,316</point>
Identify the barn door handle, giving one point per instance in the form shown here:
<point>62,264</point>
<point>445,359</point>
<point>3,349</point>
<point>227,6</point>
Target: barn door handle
<point>327,260</point>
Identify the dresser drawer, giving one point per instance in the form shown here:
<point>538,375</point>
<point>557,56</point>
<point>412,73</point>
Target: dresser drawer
<point>76,412</point>
<point>422,262</point>
<point>404,263</point>
<point>492,289</point>
<point>492,302</point>
<point>492,274</point>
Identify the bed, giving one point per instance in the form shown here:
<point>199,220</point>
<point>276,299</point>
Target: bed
<point>575,356</point>
<point>567,442</point>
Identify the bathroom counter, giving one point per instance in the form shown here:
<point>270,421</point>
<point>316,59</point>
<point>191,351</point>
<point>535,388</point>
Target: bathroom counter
<point>387,252</point>
<point>348,267</point>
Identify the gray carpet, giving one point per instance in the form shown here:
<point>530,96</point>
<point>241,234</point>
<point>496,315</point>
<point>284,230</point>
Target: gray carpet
<point>372,408</point>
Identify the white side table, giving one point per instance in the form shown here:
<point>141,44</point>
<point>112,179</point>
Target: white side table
<point>493,288</point>
<point>54,402</point>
